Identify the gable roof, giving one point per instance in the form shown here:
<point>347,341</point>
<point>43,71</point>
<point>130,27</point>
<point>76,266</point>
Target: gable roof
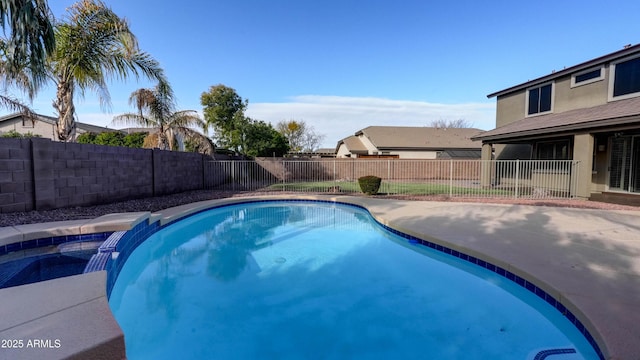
<point>354,145</point>
<point>52,121</point>
<point>619,112</point>
<point>407,138</point>
<point>626,51</point>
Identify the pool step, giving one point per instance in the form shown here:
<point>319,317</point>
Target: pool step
<point>11,268</point>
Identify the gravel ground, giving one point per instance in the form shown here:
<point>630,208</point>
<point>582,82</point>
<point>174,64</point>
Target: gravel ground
<point>162,202</point>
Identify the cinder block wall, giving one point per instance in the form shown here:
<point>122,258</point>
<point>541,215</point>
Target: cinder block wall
<point>16,176</point>
<point>40,174</point>
<point>177,171</point>
<point>71,174</point>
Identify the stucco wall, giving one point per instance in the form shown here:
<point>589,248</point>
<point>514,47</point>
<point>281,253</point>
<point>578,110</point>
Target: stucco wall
<point>512,107</point>
<point>570,98</point>
<point>40,128</point>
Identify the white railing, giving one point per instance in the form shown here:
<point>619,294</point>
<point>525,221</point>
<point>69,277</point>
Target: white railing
<point>452,178</point>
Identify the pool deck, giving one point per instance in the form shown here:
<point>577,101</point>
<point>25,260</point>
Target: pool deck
<point>587,259</point>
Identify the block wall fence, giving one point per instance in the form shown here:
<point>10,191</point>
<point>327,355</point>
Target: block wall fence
<point>40,174</point>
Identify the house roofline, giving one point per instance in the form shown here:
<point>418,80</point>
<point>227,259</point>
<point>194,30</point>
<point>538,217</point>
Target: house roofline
<point>594,124</point>
<point>626,51</point>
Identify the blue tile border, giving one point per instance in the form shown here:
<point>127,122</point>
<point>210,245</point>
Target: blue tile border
<point>50,241</point>
<point>513,277</point>
<point>126,243</point>
<point>542,355</point>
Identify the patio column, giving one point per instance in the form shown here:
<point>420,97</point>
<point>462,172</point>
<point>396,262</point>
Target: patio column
<point>485,171</point>
<point>583,152</point>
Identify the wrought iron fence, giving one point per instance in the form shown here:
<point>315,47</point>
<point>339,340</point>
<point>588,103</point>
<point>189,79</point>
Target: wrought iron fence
<point>452,178</point>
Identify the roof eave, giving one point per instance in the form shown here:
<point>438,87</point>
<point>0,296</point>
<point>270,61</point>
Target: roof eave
<point>601,123</point>
<point>587,64</point>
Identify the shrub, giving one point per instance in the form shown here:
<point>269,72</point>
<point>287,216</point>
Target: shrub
<point>16,135</point>
<point>369,184</point>
<point>135,140</point>
<point>111,138</point>
<point>87,138</point>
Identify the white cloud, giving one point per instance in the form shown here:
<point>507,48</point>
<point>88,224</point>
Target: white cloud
<point>337,117</point>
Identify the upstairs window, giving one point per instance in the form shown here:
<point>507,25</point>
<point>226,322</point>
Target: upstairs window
<point>539,99</point>
<point>625,82</point>
<point>587,77</point>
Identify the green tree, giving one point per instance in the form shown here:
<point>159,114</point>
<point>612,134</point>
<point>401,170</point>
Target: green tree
<point>224,112</point>
<point>87,138</point>
<point>263,140</point>
<point>93,45</point>
<point>29,39</point>
<point>135,140</point>
<point>111,138</point>
<point>301,137</point>
<point>156,109</point>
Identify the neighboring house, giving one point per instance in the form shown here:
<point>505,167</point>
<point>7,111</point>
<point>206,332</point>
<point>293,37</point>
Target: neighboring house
<point>44,126</point>
<point>589,113</point>
<point>406,142</point>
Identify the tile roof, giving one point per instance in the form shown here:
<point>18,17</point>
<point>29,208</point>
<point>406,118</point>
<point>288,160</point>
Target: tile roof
<point>613,113</point>
<point>405,137</point>
<point>353,144</point>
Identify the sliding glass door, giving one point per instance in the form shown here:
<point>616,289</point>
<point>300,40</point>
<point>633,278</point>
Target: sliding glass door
<point>624,164</point>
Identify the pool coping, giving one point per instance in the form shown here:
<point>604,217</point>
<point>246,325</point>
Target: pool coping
<point>406,217</point>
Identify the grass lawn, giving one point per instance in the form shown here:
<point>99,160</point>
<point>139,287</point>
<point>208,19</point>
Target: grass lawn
<point>388,188</point>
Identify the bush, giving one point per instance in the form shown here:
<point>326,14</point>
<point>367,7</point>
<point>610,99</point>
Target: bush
<point>113,138</point>
<point>135,140</point>
<point>16,135</point>
<point>86,138</point>
<point>369,184</point>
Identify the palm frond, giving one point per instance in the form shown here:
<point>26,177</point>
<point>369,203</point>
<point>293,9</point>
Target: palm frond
<point>31,39</point>
<point>135,120</point>
<point>95,45</point>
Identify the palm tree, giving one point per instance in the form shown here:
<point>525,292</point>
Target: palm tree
<point>156,109</point>
<point>92,46</point>
<point>23,54</point>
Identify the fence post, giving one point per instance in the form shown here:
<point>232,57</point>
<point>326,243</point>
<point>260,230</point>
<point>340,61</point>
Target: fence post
<point>450,177</point>
<point>575,171</point>
<point>517,177</point>
<point>233,175</point>
<point>283,174</point>
<point>335,180</point>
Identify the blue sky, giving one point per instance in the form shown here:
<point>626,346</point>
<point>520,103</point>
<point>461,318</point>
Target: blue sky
<point>343,65</point>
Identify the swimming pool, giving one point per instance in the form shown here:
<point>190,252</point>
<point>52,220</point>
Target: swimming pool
<point>300,280</point>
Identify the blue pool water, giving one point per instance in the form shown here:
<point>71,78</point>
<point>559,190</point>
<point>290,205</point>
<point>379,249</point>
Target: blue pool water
<point>32,269</point>
<point>299,280</point>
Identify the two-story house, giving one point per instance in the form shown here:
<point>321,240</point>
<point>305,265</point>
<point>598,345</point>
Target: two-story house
<point>589,113</point>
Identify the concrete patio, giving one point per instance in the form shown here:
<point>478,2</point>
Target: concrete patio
<point>587,259</point>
